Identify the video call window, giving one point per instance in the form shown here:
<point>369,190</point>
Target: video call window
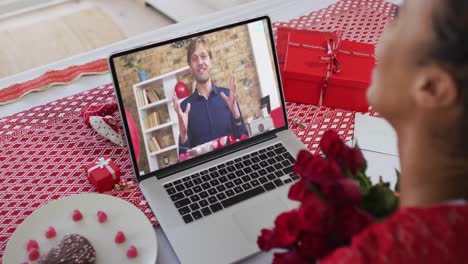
<point>199,94</point>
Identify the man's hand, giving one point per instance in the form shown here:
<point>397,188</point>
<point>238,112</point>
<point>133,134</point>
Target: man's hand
<point>231,101</point>
<point>182,116</point>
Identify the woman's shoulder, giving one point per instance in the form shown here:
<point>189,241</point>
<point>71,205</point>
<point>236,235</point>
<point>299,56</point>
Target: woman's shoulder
<point>412,235</point>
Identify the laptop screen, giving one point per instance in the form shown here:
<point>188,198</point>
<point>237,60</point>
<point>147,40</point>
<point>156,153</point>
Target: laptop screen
<point>192,96</point>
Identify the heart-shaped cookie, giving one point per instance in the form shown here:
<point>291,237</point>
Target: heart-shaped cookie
<point>73,248</point>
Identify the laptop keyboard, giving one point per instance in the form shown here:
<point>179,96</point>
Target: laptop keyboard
<point>232,182</point>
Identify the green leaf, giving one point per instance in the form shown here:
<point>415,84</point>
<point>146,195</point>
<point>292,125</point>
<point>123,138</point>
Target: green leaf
<point>364,180</point>
<point>316,190</point>
<point>379,202</point>
<point>364,163</point>
<point>368,181</point>
<point>397,185</point>
<point>129,65</point>
<point>382,183</point>
<point>347,172</point>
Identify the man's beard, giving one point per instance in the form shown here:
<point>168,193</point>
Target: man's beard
<point>201,79</point>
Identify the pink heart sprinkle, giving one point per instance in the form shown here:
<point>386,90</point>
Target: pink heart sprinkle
<point>132,252</point>
<point>32,244</point>
<point>33,254</point>
<point>50,232</point>
<point>77,215</point>
<point>102,217</point>
<point>119,237</point>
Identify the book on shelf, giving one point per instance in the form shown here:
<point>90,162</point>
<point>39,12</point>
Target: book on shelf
<point>152,120</point>
<point>152,95</point>
<point>141,99</point>
<point>150,124</point>
<point>158,95</point>
<point>146,121</point>
<point>145,97</point>
<point>151,145</point>
<point>154,144</point>
<point>157,121</point>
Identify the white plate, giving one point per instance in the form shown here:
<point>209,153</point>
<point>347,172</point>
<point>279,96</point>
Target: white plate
<point>122,216</point>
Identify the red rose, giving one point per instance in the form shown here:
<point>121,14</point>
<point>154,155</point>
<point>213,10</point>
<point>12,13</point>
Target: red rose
<point>354,160</point>
<point>231,139</point>
<point>313,164</point>
<point>344,192</point>
<point>290,257</point>
<point>335,149</point>
<point>332,145</point>
<point>287,228</point>
<point>352,220</point>
<point>314,246</point>
<point>299,191</point>
<point>316,215</point>
<point>266,240</point>
<point>321,171</point>
<point>303,158</point>
<point>243,137</point>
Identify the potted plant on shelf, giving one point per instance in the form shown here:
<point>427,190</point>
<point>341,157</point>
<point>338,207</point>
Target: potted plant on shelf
<point>137,65</point>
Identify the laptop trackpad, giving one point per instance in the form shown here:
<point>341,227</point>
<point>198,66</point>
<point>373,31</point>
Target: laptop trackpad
<point>261,215</point>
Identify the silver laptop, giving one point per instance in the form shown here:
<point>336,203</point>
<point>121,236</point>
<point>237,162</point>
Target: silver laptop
<point>206,121</point>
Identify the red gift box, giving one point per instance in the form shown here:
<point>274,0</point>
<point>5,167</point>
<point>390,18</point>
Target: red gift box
<point>284,37</point>
<point>103,174</point>
<point>322,69</point>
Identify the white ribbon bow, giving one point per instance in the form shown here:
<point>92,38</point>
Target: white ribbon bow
<point>101,163</point>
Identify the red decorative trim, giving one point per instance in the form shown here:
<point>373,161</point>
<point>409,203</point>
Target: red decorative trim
<point>51,78</point>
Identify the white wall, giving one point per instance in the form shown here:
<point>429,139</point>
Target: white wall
<point>396,2</point>
<point>264,66</point>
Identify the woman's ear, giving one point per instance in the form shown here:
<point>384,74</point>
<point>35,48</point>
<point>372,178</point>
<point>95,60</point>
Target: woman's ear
<point>434,88</point>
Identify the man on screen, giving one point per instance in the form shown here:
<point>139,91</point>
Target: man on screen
<point>210,112</point>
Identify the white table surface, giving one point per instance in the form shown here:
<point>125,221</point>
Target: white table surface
<point>278,10</point>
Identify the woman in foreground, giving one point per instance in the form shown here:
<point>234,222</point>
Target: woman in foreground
<point>421,87</point>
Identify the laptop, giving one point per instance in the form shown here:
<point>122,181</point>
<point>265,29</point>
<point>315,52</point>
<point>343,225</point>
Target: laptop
<point>211,155</point>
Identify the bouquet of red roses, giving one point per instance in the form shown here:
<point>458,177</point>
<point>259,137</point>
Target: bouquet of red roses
<point>337,201</point>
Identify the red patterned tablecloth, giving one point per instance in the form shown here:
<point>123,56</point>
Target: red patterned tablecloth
<point>42,149</point>
<point>42,153</point>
